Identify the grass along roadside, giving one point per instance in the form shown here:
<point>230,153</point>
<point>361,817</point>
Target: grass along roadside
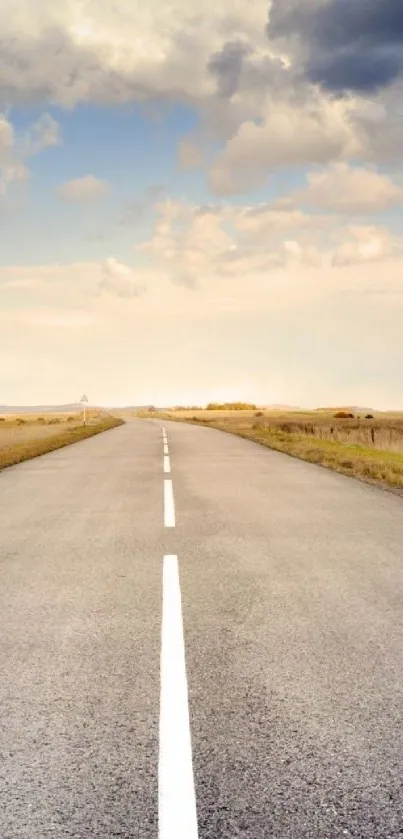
<point>374,465</point>
<point>327,442</point>
<point>16,448</point>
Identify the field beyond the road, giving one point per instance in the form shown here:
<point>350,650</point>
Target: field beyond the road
<point>29,435</point>
<point>369,449</point>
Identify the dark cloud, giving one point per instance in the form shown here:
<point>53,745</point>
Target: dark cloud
<point>377,22</point>
<point>227,65</point>
<point>346,44</point>
<point>351,69</point>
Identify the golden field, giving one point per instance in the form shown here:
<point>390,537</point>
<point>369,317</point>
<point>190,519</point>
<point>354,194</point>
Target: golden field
<point>28,435</point>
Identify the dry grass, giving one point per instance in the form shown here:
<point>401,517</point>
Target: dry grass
<point>371,450</point>
<point>30,435</point>
<point>203,415</point>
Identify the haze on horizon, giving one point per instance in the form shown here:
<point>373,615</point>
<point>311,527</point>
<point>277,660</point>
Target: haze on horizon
<point>201,205</point>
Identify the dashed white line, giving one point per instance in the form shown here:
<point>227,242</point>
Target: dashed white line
<point>169,505</point>
<point>167,465</point>
<point>177,814</point>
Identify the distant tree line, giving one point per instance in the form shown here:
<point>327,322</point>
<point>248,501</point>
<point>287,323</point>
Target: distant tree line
<point>187,408</point>
<point>230,406</point>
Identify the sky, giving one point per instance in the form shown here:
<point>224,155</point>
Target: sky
<point>201,202</point>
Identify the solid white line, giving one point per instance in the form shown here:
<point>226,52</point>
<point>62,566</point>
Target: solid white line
<point>166,451</point>
<point>177,814</point>
<point>169,506</point>
<point>167,465</point>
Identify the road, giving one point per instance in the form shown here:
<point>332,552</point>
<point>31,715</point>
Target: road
<point>288,720</point>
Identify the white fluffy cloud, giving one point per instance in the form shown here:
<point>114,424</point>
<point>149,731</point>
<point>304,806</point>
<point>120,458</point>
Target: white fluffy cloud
<point>344,189</point>
<point>291,134</point>
<point>284,309</point>
<point>97,51</point>
<point>227,256</point>
<point>84,189</point>
<point>277,275</point>
<point>352,312</point>
<point>366,243</point>
<point>197,245</point>
<point>247,86</point>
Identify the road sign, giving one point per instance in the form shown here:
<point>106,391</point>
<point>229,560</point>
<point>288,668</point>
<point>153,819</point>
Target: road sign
<point>84,400</point>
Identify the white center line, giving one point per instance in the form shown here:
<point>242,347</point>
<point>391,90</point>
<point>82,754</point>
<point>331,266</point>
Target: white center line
<point>167,465</point>
<point>169,506</point>
<point>177,814</point>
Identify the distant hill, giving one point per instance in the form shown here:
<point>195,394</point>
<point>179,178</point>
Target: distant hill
<point>281,408</point>
<point>40,409</point>
<point>133,408</point>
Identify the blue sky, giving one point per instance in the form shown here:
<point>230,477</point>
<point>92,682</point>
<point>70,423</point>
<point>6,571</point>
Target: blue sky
<point>125,148</point>
<point>189,192</point>
<point>136,154</point>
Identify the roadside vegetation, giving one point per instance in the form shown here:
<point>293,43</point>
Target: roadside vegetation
<point>28,436</point>
<point>368,446</point>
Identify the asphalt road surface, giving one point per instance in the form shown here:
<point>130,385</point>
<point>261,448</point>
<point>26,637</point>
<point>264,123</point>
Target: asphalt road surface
<point>280,582</point>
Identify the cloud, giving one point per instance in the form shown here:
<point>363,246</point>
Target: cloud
<point>344,189</point>
<point>257,94</point>
<point>13,172</point>
<point>338,36</point>
<point>366,243</point>
<point>83,189</point>
<point>268,221</point>
<point>6,137</point>
<point>235,247</point>
<point>186,242</point>
<point>11,168</point>
<point>16,149</point>
<point>120,280</point>
<point>195,244</point>
<point>134,211</point>
<point>108,53</point>
<point>44,133</point>
<point>226,65</point>
<point>352,311</point>
<point>77,286</point>
<point>289,135</point>
<point>274,273</point>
